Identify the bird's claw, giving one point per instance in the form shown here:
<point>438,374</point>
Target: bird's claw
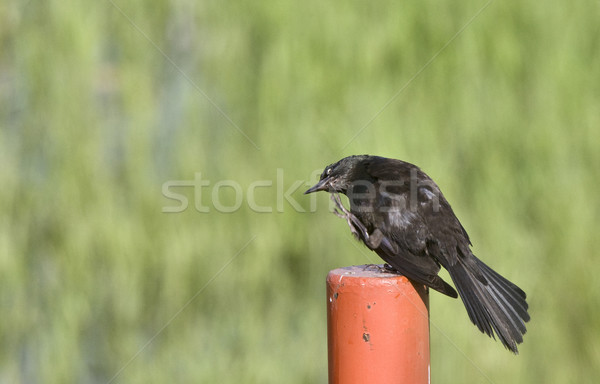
<point>342,212</point>
<point>356,227</point>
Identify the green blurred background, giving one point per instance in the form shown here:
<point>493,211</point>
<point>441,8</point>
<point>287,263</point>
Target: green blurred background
<point>103,102</point>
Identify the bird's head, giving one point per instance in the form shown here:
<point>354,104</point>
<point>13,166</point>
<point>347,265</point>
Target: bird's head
<point>337,177</point>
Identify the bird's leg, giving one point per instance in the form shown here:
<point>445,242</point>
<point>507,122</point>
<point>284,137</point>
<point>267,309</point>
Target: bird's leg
<point>373,240</point>
<point>341,211</point>
<point>353,222</point>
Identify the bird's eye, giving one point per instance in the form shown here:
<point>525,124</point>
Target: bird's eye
<point>328,171</point>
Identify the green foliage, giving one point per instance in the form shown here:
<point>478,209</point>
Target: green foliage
<point>101,103</point>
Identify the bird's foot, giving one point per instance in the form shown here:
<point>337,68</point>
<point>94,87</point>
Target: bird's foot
<point>357,228</point>
<point>339,210</point>
<point>353,222</point>
<point>371,267</point>
<point>385,268</point>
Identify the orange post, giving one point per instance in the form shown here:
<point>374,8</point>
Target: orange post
<point>377,327</point>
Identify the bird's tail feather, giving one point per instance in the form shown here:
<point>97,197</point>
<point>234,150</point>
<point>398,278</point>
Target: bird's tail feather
<point>494,304</point>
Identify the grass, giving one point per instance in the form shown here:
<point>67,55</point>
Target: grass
<point>101,103</point>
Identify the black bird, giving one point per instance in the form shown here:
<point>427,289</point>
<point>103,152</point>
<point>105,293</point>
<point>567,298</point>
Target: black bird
<point>400,213</point>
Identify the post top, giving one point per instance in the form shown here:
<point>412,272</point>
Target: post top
<point>369,270</point>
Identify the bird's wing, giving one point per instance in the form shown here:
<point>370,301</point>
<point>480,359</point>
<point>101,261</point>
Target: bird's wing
<point>420,269</point>
<point>425,218</point>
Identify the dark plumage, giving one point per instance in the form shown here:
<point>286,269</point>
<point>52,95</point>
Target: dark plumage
<point>400,213</point>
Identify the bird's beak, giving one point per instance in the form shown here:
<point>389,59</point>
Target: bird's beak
<point>322,185</point>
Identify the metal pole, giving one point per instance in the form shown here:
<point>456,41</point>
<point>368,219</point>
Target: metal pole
<point>377,327</point>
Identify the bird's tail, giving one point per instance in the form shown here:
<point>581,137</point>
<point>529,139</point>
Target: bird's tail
<point>494,304</point>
